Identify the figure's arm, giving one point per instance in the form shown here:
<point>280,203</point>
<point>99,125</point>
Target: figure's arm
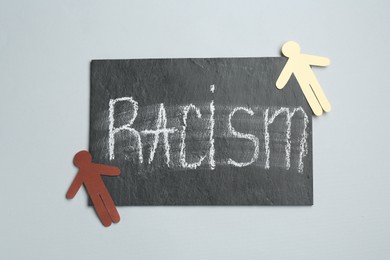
<point>74,187</point>
<point>316,60</point>
<point>107,170</point>
<point>284,76</point>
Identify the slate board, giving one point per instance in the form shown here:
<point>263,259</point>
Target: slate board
<point>238,82</point>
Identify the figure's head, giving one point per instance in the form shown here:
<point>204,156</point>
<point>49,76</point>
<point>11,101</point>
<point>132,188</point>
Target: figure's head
<point>82,158</point>
<point>291,48</point>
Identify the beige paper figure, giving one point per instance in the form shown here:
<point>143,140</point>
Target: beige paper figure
<point>299,65</point>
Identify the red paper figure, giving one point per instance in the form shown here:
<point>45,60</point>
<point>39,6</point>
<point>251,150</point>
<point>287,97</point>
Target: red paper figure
<point>89,175</point>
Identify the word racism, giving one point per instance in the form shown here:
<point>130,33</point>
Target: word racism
<point>191,136</point>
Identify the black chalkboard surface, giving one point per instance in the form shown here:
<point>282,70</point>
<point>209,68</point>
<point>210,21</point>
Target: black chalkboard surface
<point>201,132</point>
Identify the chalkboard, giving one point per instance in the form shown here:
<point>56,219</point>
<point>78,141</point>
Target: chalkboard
<point>210,131</point>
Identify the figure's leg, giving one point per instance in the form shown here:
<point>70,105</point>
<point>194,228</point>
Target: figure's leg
<point>311,98</point>
<point>315,85</point>
<point>101,209</point>
<point>110,206</point>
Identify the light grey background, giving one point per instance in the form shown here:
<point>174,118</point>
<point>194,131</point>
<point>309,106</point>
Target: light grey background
<point>45,50</point>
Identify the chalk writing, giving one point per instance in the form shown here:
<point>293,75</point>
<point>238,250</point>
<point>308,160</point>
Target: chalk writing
<point>183,161</point>
<point>250,137</point>
<point>161,128</point>
<point>208,134</point>
<point>212,124</point>
<point>113,130</point>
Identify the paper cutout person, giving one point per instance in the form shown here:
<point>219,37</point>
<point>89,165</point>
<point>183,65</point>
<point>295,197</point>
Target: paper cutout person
<point>90,175</point>
<point>299,65</point>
